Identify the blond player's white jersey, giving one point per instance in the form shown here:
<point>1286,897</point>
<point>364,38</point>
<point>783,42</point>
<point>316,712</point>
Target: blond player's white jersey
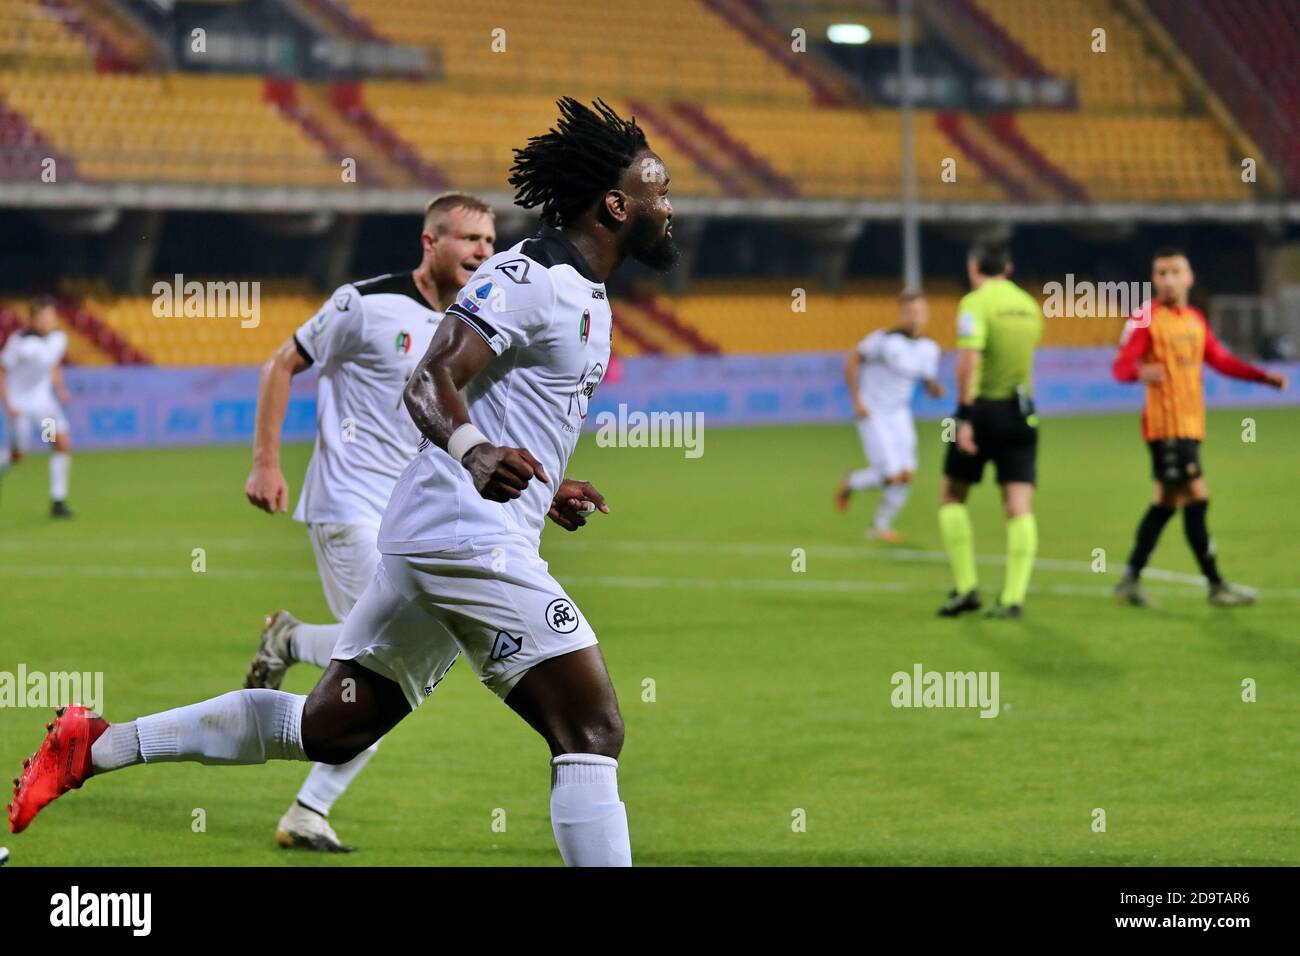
<point>366,341</point>
<point>547,319</point>
<point>29,361</point>
<point>892,363</point>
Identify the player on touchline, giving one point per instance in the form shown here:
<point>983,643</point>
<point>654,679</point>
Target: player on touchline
<point>882,373</point>
<point>32,396</point>
<point>365,340</point>
<point>998,327</point>
<point>460,568</point>
<point>1164,346</point>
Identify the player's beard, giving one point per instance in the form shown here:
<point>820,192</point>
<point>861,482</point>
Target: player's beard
<point>647,244</point>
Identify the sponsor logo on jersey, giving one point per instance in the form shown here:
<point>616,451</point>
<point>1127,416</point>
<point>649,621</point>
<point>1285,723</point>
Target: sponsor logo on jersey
<point>403,341</point>
<point>469,305</point>
<point>584,326</point>
<point>561,617</point>
<point>516,270</point>
<point>966,324</point>
<point>503,645</point>
<point>598,293</point>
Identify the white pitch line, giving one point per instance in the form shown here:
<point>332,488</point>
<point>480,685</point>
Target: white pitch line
<point>632,582</point>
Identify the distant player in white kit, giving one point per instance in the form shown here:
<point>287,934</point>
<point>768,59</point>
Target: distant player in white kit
<point>882,373</point>
<point>528,340</point>
<point>32,394</point>
<point>365,341</point>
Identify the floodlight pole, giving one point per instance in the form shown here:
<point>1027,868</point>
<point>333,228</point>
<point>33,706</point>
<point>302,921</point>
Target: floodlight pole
<point>911,216</point>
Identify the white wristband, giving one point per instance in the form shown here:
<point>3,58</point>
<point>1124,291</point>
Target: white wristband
<point>463,439</point>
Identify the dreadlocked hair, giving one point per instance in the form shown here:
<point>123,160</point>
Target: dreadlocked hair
<point>568,168</point>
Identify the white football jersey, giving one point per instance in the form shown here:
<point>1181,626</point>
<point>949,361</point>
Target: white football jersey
<point>366,341</point>
<point>29,361</point>
<point>548,322</point>
<point>892,363</point>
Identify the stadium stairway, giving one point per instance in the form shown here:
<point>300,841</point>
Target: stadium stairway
<point>334,19</point>
<point>349,102</point>
<point>993,159</point>
<point>755,168</point>
<point>982,38</point>
<point>116,42</point>
<point>350,139</point>
<point>827,86</point>
<point>677,131</point>
<point>1004,128</point>
<point>23,148</point>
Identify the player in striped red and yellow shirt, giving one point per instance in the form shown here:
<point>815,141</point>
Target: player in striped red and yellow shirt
<point>1165,345</point>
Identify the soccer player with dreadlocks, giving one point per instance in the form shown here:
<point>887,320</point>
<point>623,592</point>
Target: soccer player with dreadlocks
<point>528,339</point>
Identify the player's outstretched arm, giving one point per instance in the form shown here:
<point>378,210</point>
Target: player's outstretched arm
<point>266,487</point>
<point>432,395</point>
<point>1225,363</point>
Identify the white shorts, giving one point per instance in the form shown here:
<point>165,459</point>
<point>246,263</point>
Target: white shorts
<point>346,557</point>
<point>889,440</point>
<point>31,420</point>
<point>493,599</point>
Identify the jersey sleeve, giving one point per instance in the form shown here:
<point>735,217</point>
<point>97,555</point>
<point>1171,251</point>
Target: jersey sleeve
<point>9,354</point>
<point>1133,345</point>
<point>509,308</point>
<point>972,327</point>
<point>1221,360</point>
<point>60,347</point>
<point>869,348</point>
<point>929,361</point>
<point>336,331</point>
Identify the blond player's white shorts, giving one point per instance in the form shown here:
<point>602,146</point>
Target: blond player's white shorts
<point>889,440</point>
<point>494,600</point>
<point>34,418</point>
<point>346,557</point>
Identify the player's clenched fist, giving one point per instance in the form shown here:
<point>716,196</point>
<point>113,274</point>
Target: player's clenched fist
<point>267,489</point>
<point>500,473</point>
<point>573,502</point>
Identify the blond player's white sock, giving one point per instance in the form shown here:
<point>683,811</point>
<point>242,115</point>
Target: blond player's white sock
<point>326,782</point>
<point>589,820</point>
<point>891,503</point>
<point>60,466</point>
<point>241,727</point>
<point>314,643</point>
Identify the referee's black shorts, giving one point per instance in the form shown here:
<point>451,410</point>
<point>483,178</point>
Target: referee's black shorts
<point>1004,436</point>
<point>1175,460</point>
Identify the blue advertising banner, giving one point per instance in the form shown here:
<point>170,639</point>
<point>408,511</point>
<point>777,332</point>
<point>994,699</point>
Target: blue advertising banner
<point>144,406</point>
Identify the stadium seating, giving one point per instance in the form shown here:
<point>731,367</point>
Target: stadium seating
<point>1058,33</point>
<point>672,48</point>
<point>174,127</point>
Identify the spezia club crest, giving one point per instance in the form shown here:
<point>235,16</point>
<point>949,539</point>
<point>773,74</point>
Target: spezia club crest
<point>584,326</point>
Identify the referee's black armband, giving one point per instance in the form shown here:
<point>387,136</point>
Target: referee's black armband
<point>963,413</point>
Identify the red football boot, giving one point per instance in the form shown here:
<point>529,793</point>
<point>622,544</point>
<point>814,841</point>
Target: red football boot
<point>61,764</point>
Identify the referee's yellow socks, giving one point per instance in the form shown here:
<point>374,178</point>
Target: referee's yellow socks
<point>1022,543</point>
<point>959,542</point>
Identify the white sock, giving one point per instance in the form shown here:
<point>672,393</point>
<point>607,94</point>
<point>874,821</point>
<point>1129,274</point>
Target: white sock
<point>60,465</point>
<point>241,727</point>
<point>119,746</point>
<point>314,643</point>
<point>865,478</point>
<point>326,782</point>
<point>589,820</point>
<point>891,503</point>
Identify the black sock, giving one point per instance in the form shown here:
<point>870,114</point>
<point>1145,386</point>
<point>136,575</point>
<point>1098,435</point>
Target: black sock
<point>1153,522</point>
<point>1198,536</point>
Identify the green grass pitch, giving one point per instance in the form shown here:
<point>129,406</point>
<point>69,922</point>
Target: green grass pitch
<point>771,686</point>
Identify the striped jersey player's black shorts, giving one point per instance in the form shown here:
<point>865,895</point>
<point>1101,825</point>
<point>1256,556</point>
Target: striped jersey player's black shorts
<point>1004,435</point>
<point>1175,460</point>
